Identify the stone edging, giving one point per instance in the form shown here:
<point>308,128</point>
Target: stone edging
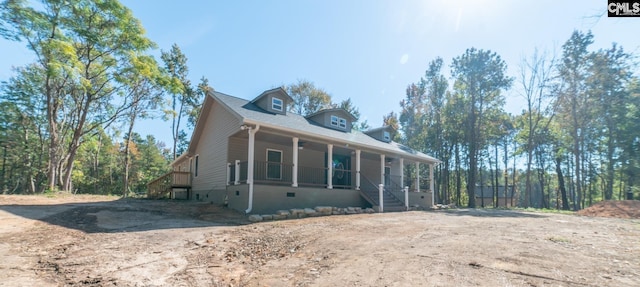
<point>295,213</point>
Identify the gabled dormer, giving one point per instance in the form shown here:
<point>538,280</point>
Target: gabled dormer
<point>274,101</point>
<point>337,119</point>
<point>384,134</point>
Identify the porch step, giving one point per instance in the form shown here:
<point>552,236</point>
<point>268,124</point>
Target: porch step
<point>391,203</point>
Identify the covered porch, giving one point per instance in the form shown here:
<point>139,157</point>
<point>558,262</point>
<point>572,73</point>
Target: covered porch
<point>262,157</point>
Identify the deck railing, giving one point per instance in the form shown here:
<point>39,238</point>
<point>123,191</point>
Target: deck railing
<point>161,186</point>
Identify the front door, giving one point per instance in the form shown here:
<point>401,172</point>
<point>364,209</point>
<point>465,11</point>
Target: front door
<point>387,177</point>
<point>341,171</point>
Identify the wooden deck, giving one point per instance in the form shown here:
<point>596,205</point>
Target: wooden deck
<point>161,187</point>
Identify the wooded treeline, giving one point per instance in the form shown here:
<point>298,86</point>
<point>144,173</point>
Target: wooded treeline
<point>68,117</point>
<point>577,141</point>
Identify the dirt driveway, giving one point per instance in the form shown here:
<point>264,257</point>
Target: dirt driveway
<point>102,241</point>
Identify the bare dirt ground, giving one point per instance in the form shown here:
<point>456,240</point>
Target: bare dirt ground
<point>102,241</point>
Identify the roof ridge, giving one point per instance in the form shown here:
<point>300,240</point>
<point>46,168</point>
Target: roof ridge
<point>227,95</point>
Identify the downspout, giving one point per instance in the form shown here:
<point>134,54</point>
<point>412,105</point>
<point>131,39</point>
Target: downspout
<point>250,163</point>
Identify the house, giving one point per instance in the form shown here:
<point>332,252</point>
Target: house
<point>484,195</point>
<point>257,157</point>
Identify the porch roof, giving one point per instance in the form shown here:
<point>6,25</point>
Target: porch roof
<point>297,125</point>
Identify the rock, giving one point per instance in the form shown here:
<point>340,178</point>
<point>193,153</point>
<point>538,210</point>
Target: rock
<point>369,210</point>
<point>280,216</point>
<point>324,209</point>
<point>358,210</point>
<point>267,217</point>
<point>283,212</point>
<point>255,218</point>
<point>296,211</point>
<point>309,211</point>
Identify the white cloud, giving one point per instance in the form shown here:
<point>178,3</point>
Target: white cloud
<point>404,59</point>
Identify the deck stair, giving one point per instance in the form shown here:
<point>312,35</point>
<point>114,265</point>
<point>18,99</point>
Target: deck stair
<point>370,193</point>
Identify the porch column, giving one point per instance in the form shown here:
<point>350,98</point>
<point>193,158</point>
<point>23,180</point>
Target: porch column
<point>358,169</point>
<point>417,177</point>
<point>237,173</point>
<point>251,156</point>
<point>401,171</point>
<point>382,169</point>
<point>329,166</point>
<point>250,164</point>
<point>228,173</point>
<point>294,171</point>
<point>432,185</point>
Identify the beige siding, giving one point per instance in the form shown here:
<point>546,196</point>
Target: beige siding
<point>212,149</point>
<point>238,149</point>
<point>371,170</point>
<point>311,158</point>
<point>396,168</point>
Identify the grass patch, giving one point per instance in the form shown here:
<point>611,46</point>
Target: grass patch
<point>546,210</point>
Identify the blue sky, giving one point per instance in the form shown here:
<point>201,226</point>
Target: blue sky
<point>368,51</point>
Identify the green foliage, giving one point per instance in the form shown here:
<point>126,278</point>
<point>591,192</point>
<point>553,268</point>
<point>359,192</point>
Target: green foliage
<point>184,100</point>
<point>480,76</point>
<point>82,48</point>
<point>307,98</point>
<point>348,106</point>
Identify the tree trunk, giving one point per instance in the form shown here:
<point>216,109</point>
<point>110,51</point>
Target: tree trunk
<point>4,169</point>
<point>506,174</point>
<point>481,184</point>
<point>497,179</point>
<point>563,190</point>
<point>127,162</point>
<point>458,177</point>
<point>608,191</point>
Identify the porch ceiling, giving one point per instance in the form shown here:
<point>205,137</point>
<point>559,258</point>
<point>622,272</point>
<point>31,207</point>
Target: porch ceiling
<point>276,137</point>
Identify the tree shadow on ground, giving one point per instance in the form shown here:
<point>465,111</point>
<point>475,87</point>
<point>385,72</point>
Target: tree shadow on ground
<point>129,215</point>
<point>477,212</point>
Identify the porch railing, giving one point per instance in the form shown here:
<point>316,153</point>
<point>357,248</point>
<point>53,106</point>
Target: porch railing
<point>392,183</point>
<point>370,192</point>
<point>161,186</point>
<point>282,173</point>
<point>272,172</point>
<point>312,176</point>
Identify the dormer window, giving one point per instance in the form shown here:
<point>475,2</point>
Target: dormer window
<point>338,122</point>
<point>334,121</point>
<point>336,118</point>
<point>276,104</point>
<point>386,136</point>
<point>342,123</point>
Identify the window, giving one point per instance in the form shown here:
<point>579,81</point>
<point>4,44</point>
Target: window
<point>338,122</point>
<point>276,104</point>
<point>195,168</point>
<point>386,136</point>
<point>343,123</point>
<point>274,164</point>
<point>334,121</point>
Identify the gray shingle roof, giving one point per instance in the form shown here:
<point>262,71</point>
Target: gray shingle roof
<point>295,123</point>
